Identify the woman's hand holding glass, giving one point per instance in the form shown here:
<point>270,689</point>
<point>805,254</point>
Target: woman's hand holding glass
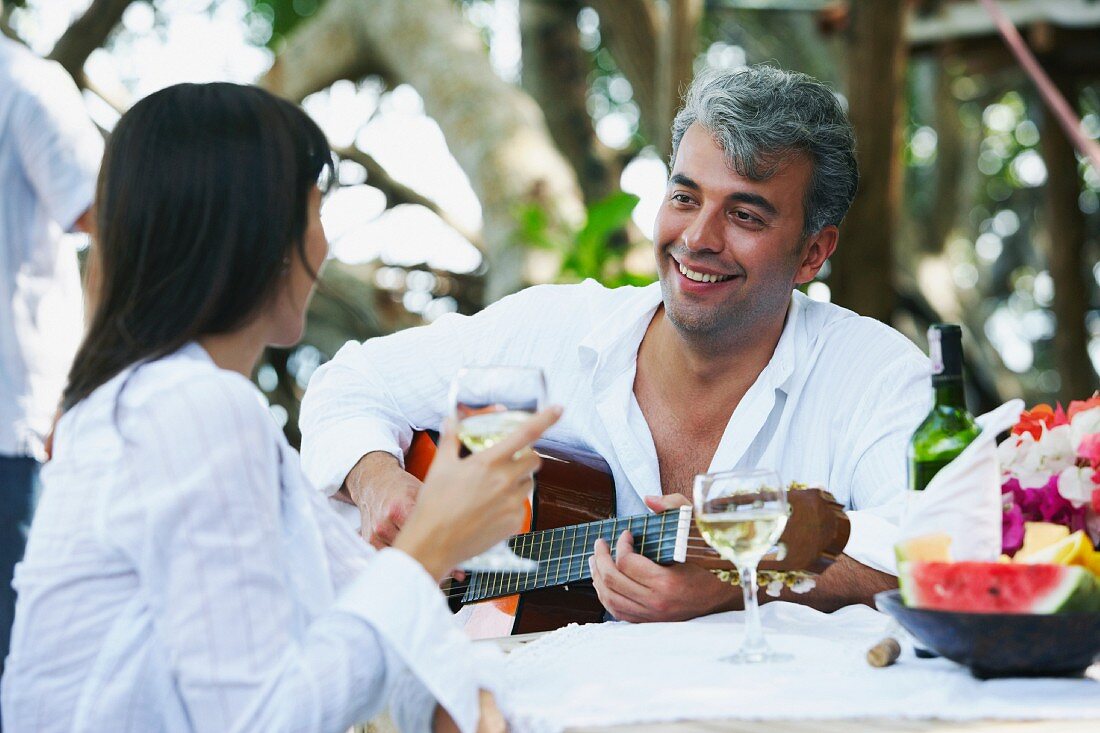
<point>469,504</point>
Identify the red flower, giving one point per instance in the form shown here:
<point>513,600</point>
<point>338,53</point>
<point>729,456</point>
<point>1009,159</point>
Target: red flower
<point>1034,420</point>
<point>1077,406</point>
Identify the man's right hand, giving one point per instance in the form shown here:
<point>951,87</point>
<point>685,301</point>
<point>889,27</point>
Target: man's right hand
<point>385,495</point>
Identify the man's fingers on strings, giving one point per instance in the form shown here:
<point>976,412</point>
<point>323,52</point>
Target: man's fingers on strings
<point>610,575</point>
<point>624,545</point>
<point>619,605</point>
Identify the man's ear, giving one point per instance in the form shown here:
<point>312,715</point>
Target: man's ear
<point>819,247</point>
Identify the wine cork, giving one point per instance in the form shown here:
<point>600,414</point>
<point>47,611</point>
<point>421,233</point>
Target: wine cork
<point>885,653</point>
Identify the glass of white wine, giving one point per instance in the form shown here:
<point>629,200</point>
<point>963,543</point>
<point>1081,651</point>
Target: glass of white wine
<point>741,514</point>
<point>489,403</point>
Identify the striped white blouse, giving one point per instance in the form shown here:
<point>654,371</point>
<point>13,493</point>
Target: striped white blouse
<point>181,575</point>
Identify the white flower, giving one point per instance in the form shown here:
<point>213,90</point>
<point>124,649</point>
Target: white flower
<point>1010,451</point>
<point>774,588</point>
<point>1058,448</point>
<point>1033,462</point>
<point>1084,423</point>
<point>1075,485</point>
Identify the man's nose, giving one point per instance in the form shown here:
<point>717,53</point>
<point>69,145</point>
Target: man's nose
<point>703,233</point>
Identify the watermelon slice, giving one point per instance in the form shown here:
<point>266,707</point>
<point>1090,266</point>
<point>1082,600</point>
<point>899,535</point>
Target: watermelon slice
<point>991,587</point>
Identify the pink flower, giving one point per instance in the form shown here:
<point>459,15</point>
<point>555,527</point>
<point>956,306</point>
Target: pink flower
<point>1042,504</point>
<point>1089,449</point>
<point>1012,526</point>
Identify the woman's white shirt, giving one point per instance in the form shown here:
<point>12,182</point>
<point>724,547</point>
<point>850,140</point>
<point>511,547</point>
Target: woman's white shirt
<point>181,575</point>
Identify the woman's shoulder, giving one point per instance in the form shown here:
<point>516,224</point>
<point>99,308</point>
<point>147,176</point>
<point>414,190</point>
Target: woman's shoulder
<point>185,391</point>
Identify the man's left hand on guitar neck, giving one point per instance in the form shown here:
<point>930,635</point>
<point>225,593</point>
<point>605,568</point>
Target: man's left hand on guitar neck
<point>634,588</point>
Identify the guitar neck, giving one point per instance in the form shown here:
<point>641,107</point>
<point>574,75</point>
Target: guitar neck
<point>562,553</point>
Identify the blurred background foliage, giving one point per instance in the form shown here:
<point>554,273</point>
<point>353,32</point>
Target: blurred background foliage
<point>973,208</point>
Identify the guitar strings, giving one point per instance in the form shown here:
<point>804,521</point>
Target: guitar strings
<point>493,579</point>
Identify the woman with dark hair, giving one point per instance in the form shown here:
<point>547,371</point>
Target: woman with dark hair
<point>180,573</point>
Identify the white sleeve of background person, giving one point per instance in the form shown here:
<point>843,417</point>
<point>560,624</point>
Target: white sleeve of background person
<point>58,145</point>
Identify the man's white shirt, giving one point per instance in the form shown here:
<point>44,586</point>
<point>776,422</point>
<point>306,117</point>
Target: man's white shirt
<point>49,158</point>
<point>181,575</point>
<point>834,407</point>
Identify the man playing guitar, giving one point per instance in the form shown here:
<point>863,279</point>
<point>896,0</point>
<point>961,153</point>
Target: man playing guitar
<point>721,365</point>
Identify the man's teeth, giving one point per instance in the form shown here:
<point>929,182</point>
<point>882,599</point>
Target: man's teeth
<point>700,277</point>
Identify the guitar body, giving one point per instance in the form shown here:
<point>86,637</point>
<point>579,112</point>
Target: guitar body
<point>570,489</point>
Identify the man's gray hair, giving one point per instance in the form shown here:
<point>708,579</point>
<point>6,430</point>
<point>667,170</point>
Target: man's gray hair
<point>762,115</point>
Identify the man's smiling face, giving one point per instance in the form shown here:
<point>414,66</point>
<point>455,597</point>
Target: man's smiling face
<point>729,249</point>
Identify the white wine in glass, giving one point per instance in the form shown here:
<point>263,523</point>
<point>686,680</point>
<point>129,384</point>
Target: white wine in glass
<point>488,404</point>
<point>742,514</point>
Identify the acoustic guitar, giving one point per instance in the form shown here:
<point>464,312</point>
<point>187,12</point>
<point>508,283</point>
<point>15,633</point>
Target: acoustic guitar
<point>574,505</point>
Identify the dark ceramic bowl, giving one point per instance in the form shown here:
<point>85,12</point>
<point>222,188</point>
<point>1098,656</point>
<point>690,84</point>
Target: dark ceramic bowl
<point>1003,644</point>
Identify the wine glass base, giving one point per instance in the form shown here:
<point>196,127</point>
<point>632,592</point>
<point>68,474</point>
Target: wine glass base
<point>764,657</point>
<point>499,560</point>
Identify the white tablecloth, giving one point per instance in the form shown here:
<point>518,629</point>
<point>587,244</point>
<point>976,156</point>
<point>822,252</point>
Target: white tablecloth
<point>618,673</point>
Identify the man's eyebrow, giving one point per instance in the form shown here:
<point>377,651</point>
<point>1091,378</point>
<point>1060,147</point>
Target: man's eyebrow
<point>754,199</point>
<point>681,180</point>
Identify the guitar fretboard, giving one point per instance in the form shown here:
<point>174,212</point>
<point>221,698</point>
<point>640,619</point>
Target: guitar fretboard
<point>563,553</point>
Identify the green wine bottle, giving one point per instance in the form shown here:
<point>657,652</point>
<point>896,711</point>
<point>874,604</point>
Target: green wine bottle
<point>949,427</point>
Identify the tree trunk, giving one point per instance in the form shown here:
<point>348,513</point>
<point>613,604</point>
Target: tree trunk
<point>631,30</point>
<point>86,34</point>
<point>679,44</point>
<point>863,273</point>
<point>949,159</point>
<point>555,74</point>
<point>1066,256</point>
<point>496,132</point>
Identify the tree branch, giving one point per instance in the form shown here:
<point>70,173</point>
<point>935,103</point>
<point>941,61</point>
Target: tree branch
<point>398,193</point>
<point>330,47</point>
<point>86,34</point>
<point>5,23</point>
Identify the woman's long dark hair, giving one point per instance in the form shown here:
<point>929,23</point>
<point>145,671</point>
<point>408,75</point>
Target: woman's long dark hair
<point>202,198</point>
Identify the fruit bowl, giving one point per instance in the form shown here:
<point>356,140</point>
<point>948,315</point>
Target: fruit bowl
<point>1003,644</point>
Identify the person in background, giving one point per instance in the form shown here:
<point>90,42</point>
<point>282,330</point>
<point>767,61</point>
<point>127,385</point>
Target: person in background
<point>49,157</point>
<point>181,574</point>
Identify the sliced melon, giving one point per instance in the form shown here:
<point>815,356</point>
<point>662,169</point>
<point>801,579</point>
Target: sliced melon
<point>926,548</point>
<point>1038,535</point>
<point>1076,549</point>
<point>993,587</point>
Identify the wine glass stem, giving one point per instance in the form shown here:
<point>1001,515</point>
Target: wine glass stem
<point>754,636</point>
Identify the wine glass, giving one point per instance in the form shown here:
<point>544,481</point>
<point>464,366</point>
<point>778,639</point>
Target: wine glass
<point>488,403</point>
<point>741,514</point>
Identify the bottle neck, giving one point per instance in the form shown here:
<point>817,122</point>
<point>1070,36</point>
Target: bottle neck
<point>949,391</point>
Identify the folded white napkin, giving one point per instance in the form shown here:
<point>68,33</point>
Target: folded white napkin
<point>964,498</point>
